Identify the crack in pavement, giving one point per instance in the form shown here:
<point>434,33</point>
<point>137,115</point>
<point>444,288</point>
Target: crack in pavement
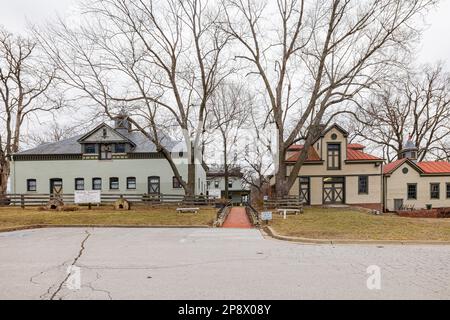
<point>80,253</point>
<point>90,286</point>
<point>32,278</point>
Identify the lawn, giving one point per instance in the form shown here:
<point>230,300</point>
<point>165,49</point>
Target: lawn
<point>347,224</point>
<point>15,217</point>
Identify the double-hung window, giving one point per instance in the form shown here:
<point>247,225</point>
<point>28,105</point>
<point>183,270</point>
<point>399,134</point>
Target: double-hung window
<point>412,191</point>
<point>131,183</point>
<point>31,185</point>
<point>79,184</point>
<point>114,183</point>
<point>334,156</point>
<point>97,184</point>
<point>363,185</point>
<point>435,191</point>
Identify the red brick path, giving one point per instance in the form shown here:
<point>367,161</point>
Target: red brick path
<point>237,219</point>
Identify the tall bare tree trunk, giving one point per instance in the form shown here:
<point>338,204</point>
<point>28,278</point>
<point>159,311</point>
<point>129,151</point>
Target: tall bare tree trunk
<point>226,172</point>
<point>190,190</point>
<point>4,175</point>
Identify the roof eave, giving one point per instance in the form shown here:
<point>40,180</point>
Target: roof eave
<point>314,162</point>
<point>81,140</point>
<point>365,161</point>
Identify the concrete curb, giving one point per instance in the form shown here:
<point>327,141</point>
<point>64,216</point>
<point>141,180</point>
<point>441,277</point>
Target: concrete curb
<point>272,233</point>
<point>53,226</point>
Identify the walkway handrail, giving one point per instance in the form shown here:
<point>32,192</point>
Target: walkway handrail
<point>222,214</point>
<point>253,214</point>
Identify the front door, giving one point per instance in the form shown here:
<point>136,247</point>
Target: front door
<point>305,194</point>
<point>154,185</point>
<point>334,190</point>
<point>56,186</point>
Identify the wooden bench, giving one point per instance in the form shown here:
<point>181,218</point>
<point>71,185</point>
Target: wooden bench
<point>285,211</point>
<point>185,210</point>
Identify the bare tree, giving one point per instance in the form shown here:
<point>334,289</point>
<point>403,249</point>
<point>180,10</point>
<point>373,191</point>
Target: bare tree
<point>312,57</point>
<point>160,60</point>
<point>257,164</point>
<point>24,81</point>
<point>53,132</point>
<point>441,152</point>
<point>416,107</point>
<point>230,108</point>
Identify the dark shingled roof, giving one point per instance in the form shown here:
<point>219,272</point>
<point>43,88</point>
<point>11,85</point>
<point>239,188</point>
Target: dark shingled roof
<point>72,146</point>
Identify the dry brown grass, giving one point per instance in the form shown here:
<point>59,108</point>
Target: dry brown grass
<point>15,217</point>
<point>347,224</point>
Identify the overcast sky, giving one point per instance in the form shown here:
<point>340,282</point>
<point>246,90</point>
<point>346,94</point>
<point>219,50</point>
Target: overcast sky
<point>14,15</point>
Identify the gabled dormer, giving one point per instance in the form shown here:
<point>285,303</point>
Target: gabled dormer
<point>333,150</point>
<point>333,144</point>
<point>105,143</point>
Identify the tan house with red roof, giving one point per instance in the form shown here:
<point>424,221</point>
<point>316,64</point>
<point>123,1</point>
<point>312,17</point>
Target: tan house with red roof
<point>338,173</point>
<point>408,183</point>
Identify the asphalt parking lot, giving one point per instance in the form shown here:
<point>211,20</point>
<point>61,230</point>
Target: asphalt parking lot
<point>210,264</point>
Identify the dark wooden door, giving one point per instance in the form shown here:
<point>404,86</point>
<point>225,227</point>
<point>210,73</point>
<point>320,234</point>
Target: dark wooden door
<point>305,190</point>
<point>334,191</point>
<point>154,185</point>
<point>56,186</point>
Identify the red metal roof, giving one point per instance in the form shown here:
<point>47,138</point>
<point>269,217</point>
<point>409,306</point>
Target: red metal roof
<point>438,167</point>
<point>296,147</point>
<point>354,153</point>
<point>434,167</point>
<point>312,154</point>
<point>356,146</point>
<point>390,167</point>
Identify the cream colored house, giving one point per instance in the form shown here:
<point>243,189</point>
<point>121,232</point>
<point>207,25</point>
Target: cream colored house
<point>237,193</point>
<point>338,173</point>
<point>412,184</point>
<point>114,160</point>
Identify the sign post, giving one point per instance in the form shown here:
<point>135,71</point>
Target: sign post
<point>266,216</point>
<point>88,197</point>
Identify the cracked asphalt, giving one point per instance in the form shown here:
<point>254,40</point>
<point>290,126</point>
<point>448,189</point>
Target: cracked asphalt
<point>210,264</point>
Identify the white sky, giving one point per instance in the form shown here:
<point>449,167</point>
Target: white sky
<point>14,15</point>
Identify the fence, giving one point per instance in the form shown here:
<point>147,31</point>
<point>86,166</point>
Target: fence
<point>144,199</point>
<point>287,202</point>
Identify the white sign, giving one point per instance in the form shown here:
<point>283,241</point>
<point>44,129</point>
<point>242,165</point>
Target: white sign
<point>84,197</point>
<point>266,216</point>
<point>217,193</point>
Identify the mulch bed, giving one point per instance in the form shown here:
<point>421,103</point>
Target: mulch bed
<point>434,213</point>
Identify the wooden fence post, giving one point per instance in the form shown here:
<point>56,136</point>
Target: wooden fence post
<point>22,201</point>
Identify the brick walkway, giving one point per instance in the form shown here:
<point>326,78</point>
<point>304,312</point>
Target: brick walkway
<point>237,219</point>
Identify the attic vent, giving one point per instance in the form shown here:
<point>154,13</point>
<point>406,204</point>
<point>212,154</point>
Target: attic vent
<point>105,133</point>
